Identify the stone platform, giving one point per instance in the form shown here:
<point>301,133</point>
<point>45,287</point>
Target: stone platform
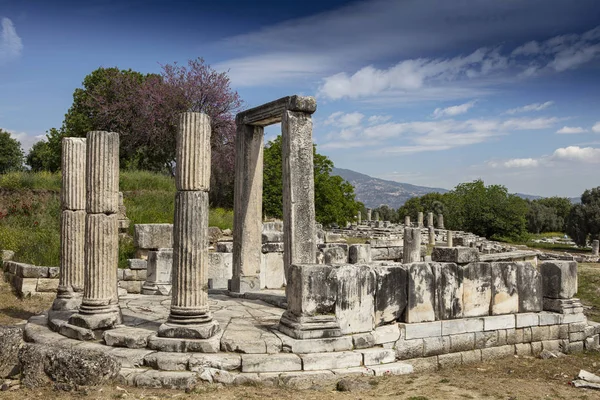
<point>249,347</point>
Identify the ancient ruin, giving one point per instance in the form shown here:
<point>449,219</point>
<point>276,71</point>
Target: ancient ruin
<point>287,302</point>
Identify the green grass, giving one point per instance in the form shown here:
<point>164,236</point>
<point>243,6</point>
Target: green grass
<point>30,207</point>
<point>588,278</point>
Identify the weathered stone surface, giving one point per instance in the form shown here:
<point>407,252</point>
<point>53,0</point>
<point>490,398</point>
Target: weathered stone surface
<point>322,345</point>
<point>527,320</point>
<point>406,349</point>
<point>167,361</point>
<point>422,330</point>
<point>180,380</point>
<point>496,322</point>
<point>355,296</point>
<point>458,255</point>
<point>559,279</point>
<point>335,255</point>
<point>463,325</point>
<point>529,286</point>
<point>102,176</point>
<point>433,346</point>
<point>477,290</point>
<point>421,293</point>
<point>492,353</point>
<point>411,251</point>
<point>386,334</point>
<point>137,264</point>
<point>390,293</point>
<point>224,247</point>
<point>11,340</point>
<point>214,234</point>
<point>376,356</point>
<point>220,269</point>
<point>193,152</point>
<point>73,167</point>
<point>211,345</point>
<point>505,297</point>
<point>449,290</point>
<point>153,236</point>
<point>271,362</point>
<point>272,274</point>
<point>223,361</point>
<point>363,340</point>
<point>159,271</point>
<point>462,342</point>
<point>321,361</point>
<point>359,254</point>
<point>397,368</point>
<point>133,338</point>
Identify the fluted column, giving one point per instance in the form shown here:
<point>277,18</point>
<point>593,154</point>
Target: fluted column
<point>420,219</point>
<point>411,251</point>
<point>72,224</point>
<point>99,308</point>
<point>190,316</point>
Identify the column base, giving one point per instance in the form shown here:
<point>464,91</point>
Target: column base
<point>93,318</point>
<point>244,284</point>
<point>204,330</point>
<point>315,327</point>
<point>66,303</point>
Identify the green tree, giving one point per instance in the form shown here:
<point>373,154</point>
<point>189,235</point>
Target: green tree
<point>334,197</point>
<point>583,222</point>
<point>431,202</point>
<point>386,213</point>
<point>11,155</point>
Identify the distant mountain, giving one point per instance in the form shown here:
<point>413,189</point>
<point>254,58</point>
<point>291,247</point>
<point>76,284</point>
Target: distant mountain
<point>528,196</point>
<point>374,192</point>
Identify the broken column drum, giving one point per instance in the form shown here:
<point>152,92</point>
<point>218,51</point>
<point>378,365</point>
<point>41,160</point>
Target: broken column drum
<point>72,223</point>
<point>294,113</point>
<point>376,215</point>
<point>407,220</point>
<point>431,233</point>
<point>595,247</point>
<point>449,239</point>
<point>411,251</point>
<point>420,219</point>
<point>430,219</point>
<point>368,214</point>
<point>440,221</point>
<point>358,218</point>
<point>189,316</point>
<point>99,307</point>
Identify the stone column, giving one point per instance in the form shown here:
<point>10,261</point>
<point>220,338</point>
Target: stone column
<point>299,230</point>
<point>420,219</point>
<point>190,317</point>
<point>72,224</point>
<point>376,215</point>
<point>449,238</point>
<point>358,218</point>
<point>440,221</point>
<point>368,215</point>
<point>411,250</point>
<point>407,220</point>
<point>430,219</point>
<point>431,235</point>
<point>247,224</point>
<point>595,247</point>
<point>100,305</point>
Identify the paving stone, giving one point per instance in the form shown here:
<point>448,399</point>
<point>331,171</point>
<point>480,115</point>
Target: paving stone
<point>449,360</point>
<point>499,322</point>
<point>377,356</point>
<point>177,345</point>
<point>422,330</point>
<point>463,325</point>
<point>319,361</point>
<point>406,349</point>
<point>167,361</point>
<point>224,361</point>
<point>167,380</point>
<point>271,362</point>
<point>527,319</point>
<point>133,338</point>
<point>493,353</point>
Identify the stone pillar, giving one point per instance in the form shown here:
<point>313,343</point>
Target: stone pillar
<point>595,247</point>
<point>376,215</point>
<point>190,317</point>
<point>411,250</point>
<point>449,239</point>
<point>440,221</point>
<point>431,235</point>
<point>358,218</point>
<point>420,219</point>
<point>407,220</point>
<point>247,224</point>
<point>100,305</point>
<point>368,215</point>
<point>430,219</point>
<point>72,224</point>
<point>299,229</point>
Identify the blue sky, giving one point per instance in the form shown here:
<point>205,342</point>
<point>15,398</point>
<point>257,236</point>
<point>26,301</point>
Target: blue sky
<point>428,92</point>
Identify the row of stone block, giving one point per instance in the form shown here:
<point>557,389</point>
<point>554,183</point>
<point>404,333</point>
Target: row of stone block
<point>31,286</point>
<point>30,271</point>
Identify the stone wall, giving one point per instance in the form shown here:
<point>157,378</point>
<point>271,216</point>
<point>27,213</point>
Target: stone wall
<point>31,280</point>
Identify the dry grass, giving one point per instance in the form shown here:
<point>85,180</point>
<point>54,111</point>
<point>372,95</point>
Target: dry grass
<point>14,310</point>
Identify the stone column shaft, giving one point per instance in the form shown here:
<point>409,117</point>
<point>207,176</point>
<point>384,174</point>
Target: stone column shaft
<point>595,247</point>
<point>440,221</point>
<point>420,219</point>
<point>368,214</point>
<point>247,224</point>
<point>430,219</point>
<point>411,251</point>
<point>431,232</point>
<point>449,239</point>
<point>407,220</point>
<point>298,190</point>
<point>359,218</point>
<point>376,215</point>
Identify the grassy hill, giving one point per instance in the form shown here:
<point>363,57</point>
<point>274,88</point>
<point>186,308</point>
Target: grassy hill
<point>30,212</point>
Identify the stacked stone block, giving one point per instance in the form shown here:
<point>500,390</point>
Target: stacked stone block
<point>72,224</point>
<point>99,308</point>
<point>189,316</point>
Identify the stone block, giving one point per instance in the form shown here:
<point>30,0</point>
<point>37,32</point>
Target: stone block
<point>575,347</point>
<point>271,271</point>
<point>571,318</point>
<point>390,293</point>
<point>47,285</point>
<point>499,322</point>
<point>527,319</point>
<point>102,173</point>
<point>212,345</point>
<point>592,342</point>
<point>463,325</point>
<point>486,339</point>
<point>376,356</point>
<point>223,361</point>
<point>363,340</point>
<point>422,330</point>
<point>551,345</point>
<point>31,271</point>
<point>462,342</point>
<point>272,236</point>
<point>577,327</point>
<point>220,269</point>
<point>180,380</point>
<point>449,360</point>
<point>457,255</point>
<point>131,286</point>
<point>539,333</point>
<point>386,334</point>
<point>53,272</point>
<point>427,364</point>
<point>505,297</point>
<point>137,264</point>
<point>25,286</point>
<point>153,236</point>
<point>322,345</point>
<point>272,247</point>
<point>529,287</point>
<point>421,293</point>
<point>133,338</point>
<point>536,348</point>
<point>224,247</point>
<point>492,353</point>
<point>449,291</point>
<point>559,279</point>
<point>477,289</point>
<point>406,349</point>
<point>271,362</point>
<point>359,254</point>
<point>167,361</point>
<point>472,356</point>
<point>523,349</point>
<point>548,318</point>
<point>324,361</point>
<point>397,368</point>
<point>355,298</point>
<point>433,346</point>
<point>129,275</point>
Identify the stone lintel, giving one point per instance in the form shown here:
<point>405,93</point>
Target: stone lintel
<point>272,112</point>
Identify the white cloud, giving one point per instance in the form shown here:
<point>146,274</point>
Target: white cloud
<point>530,123</point>
<point>379,119</point>
<point>586,155</point>
<point>515,163</point>
<point>27,140</point>
<point>344,120</point>
<point>596,127</point>
<point>453,110</point>
<point>567,130</point>
<point>530,107</point>
<point>11,45</point>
